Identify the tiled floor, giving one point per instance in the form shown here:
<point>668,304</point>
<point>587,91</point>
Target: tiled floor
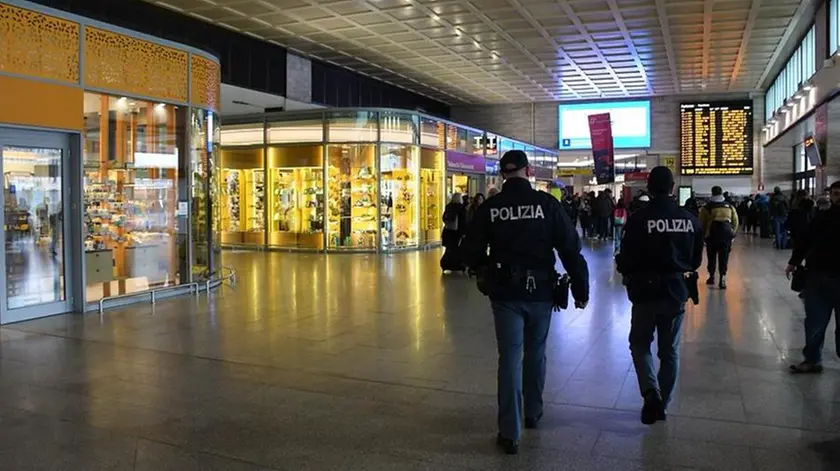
<point>362,362</point>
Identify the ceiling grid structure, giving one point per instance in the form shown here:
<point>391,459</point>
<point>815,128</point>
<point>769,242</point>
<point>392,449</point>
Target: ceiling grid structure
<point>513,51</point>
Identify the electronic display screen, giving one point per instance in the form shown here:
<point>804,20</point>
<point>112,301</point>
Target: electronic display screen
<point>630,124</point>
<point>716,138</point>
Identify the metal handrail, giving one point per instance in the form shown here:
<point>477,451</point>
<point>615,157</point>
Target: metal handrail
<point>195,288</point>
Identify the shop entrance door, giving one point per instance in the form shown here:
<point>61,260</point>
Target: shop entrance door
<point>34,167</point>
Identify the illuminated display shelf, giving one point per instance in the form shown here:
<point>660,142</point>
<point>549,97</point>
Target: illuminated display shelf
<point>716,138</point>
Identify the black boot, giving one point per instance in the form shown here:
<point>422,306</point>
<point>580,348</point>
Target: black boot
<point>509,446</point>
<point>652,408</point>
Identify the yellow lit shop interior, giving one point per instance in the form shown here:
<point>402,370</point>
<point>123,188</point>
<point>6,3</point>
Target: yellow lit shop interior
<point>338,180</point>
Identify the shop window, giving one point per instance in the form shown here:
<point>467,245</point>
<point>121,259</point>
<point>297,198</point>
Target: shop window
<point>134,162</point>
<point>399,201</point>
<point>242,196</point>
<point>398,127</point>
<point>432,133</point>
<point>285,132</point>
<point>432,165</point>
<point>204,151</point>
<point>353,127</point>
<point>457,139</point>
<point>352,197</point>
<point>296,197</point>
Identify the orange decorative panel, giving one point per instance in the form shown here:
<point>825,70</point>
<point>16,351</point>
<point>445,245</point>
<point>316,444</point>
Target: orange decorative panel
<point>133,66</point>
<point>36,103</point>
<point>206,78</point>
<point>38,45</point>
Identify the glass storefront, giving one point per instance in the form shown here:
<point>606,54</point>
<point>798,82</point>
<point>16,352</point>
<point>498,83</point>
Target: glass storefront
<point>109,177</point>
<point>134,165</point>
<point>345,180</point>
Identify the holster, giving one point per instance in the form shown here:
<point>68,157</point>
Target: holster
<point>692,282</point>
<point>560,296</point>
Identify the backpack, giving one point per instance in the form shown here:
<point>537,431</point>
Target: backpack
<point>720,231</point>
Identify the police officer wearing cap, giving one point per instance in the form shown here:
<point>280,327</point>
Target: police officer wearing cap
<point>523,227</point>
<point>661,251</point>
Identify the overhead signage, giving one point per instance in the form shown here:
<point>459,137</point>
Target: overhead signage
<point>573,171</point>
<point>600,131</point>
<point>630,124</point>
<point>812,151</point>
<point>463,162</point>
<point>716,138</point>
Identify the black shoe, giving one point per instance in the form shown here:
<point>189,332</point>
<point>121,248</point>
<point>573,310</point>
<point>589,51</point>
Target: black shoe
<point>533,423</point>
<point>806,367</point>
<point>652,408</point>
<point>662,414</point>
<point>510,447</point>
<point>722,282</point>
<point>711,280</point>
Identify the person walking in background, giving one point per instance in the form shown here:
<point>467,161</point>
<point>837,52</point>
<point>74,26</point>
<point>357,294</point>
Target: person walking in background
<point>477,201</point>
<point>691,206</point>
<point>586,216</point>
<point>800,215</point>
<point>818,247</point>
<point>454,227</point>
<point>619,220</point>
<point>719,221</point>
<point>779,208</point>
<point>604,210</point>
<point>465,200</point>
<point>762,206</point>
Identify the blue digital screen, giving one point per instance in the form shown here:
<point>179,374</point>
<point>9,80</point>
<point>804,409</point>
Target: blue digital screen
<point>630,124</point>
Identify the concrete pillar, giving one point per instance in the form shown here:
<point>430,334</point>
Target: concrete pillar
<point>298,78</point>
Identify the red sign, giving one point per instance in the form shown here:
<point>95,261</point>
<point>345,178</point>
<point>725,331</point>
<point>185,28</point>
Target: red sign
<point>636,176</point>
<point>600,133</point>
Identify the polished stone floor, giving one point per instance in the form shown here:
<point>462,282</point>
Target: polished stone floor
<point>354,362</point>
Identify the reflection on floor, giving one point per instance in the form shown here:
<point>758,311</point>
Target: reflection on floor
<point>378,363</point>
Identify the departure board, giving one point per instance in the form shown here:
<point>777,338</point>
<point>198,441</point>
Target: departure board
<point>716,138</point>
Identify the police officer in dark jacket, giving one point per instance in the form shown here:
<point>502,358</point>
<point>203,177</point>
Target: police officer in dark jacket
<point>662,243</point>
<point>523,227</point>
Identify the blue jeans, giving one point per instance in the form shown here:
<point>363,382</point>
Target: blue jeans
<point>822,297</point>
<point>664,319</point>
<point>521,328</point>
<point>780,231</point>
<point>618,232</point>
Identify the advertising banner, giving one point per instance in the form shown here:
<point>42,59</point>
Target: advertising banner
<point>600,132</point>
<point>462,162</point>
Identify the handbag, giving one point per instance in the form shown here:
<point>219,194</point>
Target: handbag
<point>799,279</point>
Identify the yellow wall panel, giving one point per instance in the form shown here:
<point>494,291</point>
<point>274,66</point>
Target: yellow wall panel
<point>38,45</point>
<point>33,103</point>
<point>134,67</point>
<point>206,79</point>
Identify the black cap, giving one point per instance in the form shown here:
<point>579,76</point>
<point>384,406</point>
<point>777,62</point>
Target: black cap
<point>660,181</point>
<point>512,161</point>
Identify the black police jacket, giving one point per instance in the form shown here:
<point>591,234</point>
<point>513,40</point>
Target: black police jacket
<point>523,227</point>
<point>661,241</point>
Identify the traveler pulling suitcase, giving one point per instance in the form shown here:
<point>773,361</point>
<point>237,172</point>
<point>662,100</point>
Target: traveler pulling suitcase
<point>451,260</point>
